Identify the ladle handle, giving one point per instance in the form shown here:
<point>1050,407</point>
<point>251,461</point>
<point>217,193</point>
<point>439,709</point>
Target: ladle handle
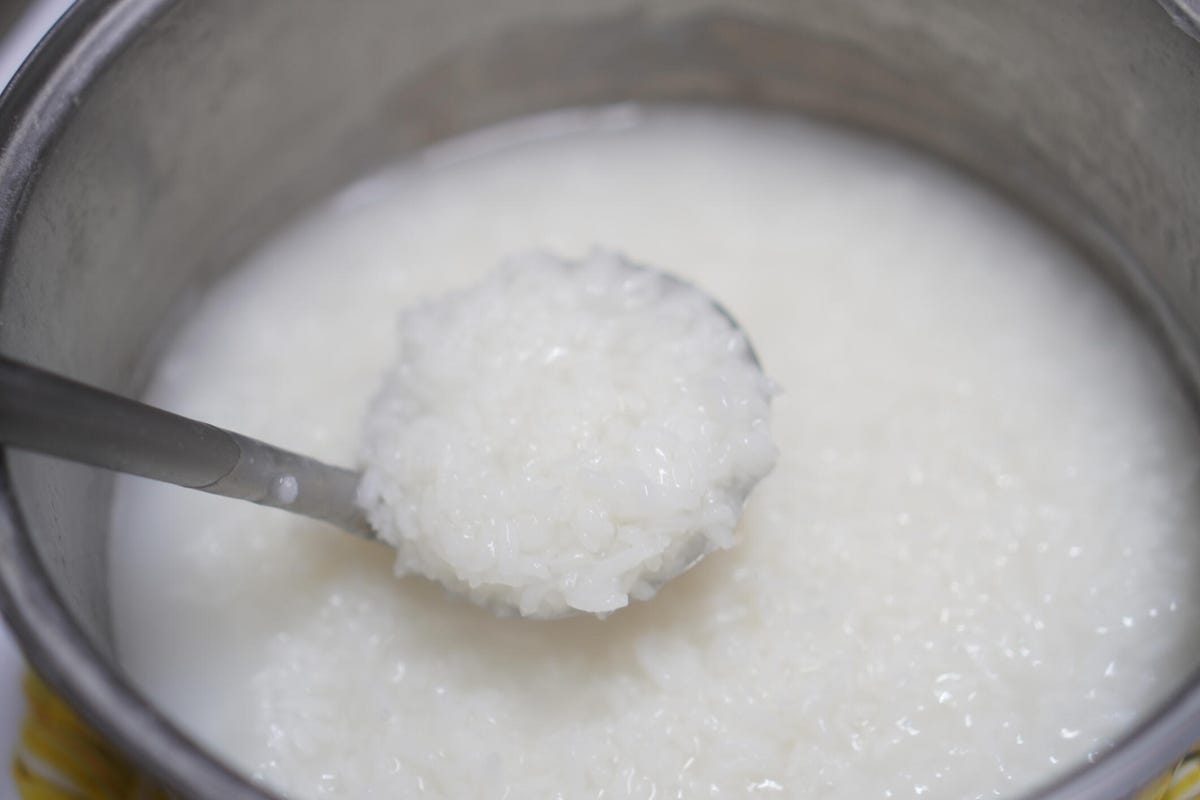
<point>50,414</point>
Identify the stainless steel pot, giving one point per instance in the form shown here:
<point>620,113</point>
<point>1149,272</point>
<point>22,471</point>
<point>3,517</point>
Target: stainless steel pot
<point>150,143</point>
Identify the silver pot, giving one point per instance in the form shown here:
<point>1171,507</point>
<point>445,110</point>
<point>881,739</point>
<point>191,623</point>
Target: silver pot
<point>150,143</point>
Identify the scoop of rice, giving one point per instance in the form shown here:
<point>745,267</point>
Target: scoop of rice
<point>565,436</point>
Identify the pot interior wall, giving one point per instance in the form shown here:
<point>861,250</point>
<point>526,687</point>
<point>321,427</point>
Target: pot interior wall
<point>172,157</point>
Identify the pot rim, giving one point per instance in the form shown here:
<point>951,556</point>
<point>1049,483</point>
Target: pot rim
<point>34,109</point>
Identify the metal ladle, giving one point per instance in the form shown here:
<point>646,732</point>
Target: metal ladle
<point>51,414</point>
<point>57,416</point>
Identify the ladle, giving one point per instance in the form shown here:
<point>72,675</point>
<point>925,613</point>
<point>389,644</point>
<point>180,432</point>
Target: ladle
<point>51,414</point>
<point>57,416</point>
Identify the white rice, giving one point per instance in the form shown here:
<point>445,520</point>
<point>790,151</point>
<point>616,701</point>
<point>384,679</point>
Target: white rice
<point>565,436</point>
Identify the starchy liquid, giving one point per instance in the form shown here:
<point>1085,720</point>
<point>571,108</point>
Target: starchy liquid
<point>974,565</point>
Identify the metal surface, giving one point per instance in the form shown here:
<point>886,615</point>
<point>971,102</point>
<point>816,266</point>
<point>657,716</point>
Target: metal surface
<point>150,143</point>
<point>10,12</point>
<point>49,414</point>
<point>1186,14</point>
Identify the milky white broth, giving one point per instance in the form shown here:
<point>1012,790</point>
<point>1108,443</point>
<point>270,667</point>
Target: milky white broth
<point>974,565</point>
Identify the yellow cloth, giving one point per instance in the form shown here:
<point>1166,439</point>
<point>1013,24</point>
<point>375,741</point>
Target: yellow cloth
<point>1184,780</point>
<point>61,758</point>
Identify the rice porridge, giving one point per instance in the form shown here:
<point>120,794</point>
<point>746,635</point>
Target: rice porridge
<point>974,564</point>
<point>565,436</point>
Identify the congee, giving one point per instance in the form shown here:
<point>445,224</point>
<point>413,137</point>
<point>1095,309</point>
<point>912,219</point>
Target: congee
<point>973,566</point>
